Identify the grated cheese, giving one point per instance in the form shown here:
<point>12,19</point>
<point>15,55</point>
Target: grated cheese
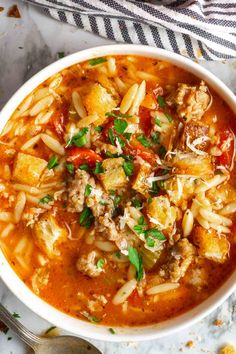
<point>197,141</point>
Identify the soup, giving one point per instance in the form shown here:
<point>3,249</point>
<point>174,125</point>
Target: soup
<point>118,191</point>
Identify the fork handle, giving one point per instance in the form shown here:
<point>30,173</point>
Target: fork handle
<point>28,337</point>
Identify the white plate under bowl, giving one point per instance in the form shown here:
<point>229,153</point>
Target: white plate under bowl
<point>58,318</point>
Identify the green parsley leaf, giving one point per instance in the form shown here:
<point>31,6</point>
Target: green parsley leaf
<point>50,329</point>
<point>120,125</point>
<point>127,157</point>
<point>141,220</point>
<point>136,260</point>
<point>156,234</point>
<point>109,154</point>
<point>45,200</point>
<point>116,115</point>
<point>161,101</point>
<point>121,141</point>
<point>137,203</point>
<point>150,242</point>
<point>169,117</point>
<point>98,168</point>
<point>155,136</point>
<point>53,162</point>
<point>162,152</point>
<point>86,218</point>
<point>15,315</point>
<point>158,122</point>
<point>127,136</point>
<point>111,136</point>
<point>89,317</point>
<point>70,168</point>
<point>149,200</point>
<point>143,140</point>
<point>98,129</point>
<point>79,139</point>
<point>60,55</point>
<point>88,190</point>
<point>112,331</point>
<point>155,189</point>
<point>128,167</point>
<point>100,263</point>
<point>117,200</point>
<point>97,61</point>
<point>118,254</point>
<point>84,166</point>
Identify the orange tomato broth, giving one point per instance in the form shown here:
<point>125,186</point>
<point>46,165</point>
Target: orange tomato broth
<point>65,282</point>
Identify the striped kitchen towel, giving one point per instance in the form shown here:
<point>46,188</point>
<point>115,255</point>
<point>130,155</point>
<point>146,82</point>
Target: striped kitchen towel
<point>202,29</point>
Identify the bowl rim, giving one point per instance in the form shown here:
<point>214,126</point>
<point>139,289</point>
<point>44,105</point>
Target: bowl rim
<point>48,312</point>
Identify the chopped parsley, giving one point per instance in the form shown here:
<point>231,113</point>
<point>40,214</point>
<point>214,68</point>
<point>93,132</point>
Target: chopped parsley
<point>50,329</point>
<point>98,168</point>
<point>156,234</point>
<point>155,189</point>
<point>117,200</point>
<point>137,262</point>
<point>161,101</point>
<point>158,122</point>
<point>169,117</point>
<point>143,140</point>
<point>98,129</point>
<point>137,203</point>
<point>128,167</point>
<point>120,141</point>
<point>89,317</point>
<point>97,61</point>
<point>117,115</point>
<point>79,139</point>
<point>162,151</point>
<point>118,254</point>
<point>45,200</point>
<point>112,330</point>
<point>70,168</point>
<point>88,190</point>
<point>15,315</point>
<point>127,136</point>
<point>150,242</point>
<point>155,137</point>
<point>60,55</point>
<point>149,200</point>
<point>111,136</point>
<point>53,162</point>
<point>100,263</point>
<point>120,125</point>
<point>84,166</point>
<point>86,218</point>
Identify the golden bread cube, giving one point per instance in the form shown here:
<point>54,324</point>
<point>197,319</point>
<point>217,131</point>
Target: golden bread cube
<point>99,101</point>
<point>114,176</point>
<point>28,169</point>
<point>139,183</point>
<point>48,235</point>
<point>210,245</point>
<point>161,214</point>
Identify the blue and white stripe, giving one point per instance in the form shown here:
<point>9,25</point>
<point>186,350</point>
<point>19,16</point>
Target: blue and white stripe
<point>202,29</point>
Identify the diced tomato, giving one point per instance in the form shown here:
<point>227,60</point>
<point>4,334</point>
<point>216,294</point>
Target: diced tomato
<point>145,120</point>
<point>134,299</point>
<point>227,146</point>
<point>137,149</point>
<point>78,156</point>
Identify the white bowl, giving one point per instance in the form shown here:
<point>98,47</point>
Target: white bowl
<point>59,319</point>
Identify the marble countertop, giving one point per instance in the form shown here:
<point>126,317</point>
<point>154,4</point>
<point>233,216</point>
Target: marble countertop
<point>27,45</point>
